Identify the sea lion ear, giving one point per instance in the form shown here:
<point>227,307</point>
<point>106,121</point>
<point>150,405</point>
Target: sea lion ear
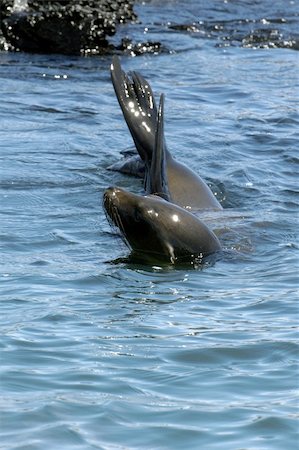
<point>157,182</point>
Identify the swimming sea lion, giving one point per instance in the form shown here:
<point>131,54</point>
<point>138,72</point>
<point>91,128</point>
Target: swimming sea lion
<point>159,229</point>
<point>154,226</point>
<point>138,105</point>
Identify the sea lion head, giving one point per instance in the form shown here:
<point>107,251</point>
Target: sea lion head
<point>153,226</point>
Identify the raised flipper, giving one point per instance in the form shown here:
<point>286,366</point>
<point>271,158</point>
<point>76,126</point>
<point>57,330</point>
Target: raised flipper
<point>156,177</point>
<point>138,106</point>
<point>183,187</point>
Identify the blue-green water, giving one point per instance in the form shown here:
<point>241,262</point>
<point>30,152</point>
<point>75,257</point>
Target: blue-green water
<point>112,356</point>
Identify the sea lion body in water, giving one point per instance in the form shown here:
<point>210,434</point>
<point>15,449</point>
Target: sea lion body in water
<point>154,226</point>
<point>138,105</point>
<point>159,229</point>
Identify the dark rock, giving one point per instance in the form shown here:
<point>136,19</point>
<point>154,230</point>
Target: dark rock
<point>243,32</point>
<point>136,49</point>
<point>67,27</point>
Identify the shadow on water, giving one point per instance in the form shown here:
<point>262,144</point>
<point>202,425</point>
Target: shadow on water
<point>148,263</point>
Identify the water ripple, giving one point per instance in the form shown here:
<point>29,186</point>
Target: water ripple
<point>98,352</point>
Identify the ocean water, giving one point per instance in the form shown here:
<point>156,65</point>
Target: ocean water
<point>103,355</point>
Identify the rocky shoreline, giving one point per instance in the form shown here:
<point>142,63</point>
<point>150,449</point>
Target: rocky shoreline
<point>62,26</point>
<point>87,27</point>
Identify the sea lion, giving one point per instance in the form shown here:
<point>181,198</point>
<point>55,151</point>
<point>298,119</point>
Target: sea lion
<point>138,105</point>
<point>158,229</point>
<point>152,225</point>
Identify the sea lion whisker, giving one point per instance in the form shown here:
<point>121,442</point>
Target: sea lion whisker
<point>119,223</point>
<point>114,219</point>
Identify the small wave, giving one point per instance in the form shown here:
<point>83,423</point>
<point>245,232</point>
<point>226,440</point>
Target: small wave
<point>243,32</point>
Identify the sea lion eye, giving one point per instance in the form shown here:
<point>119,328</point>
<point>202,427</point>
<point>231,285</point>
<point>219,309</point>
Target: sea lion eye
<point>137,215</point>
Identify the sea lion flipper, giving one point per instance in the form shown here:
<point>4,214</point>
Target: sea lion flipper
<point>138,106</point>
<point>157,182</point>
<point>145,96</point>
<point>131,165</point>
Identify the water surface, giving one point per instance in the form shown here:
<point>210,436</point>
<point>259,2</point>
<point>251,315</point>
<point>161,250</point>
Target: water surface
<point>114,356</point>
